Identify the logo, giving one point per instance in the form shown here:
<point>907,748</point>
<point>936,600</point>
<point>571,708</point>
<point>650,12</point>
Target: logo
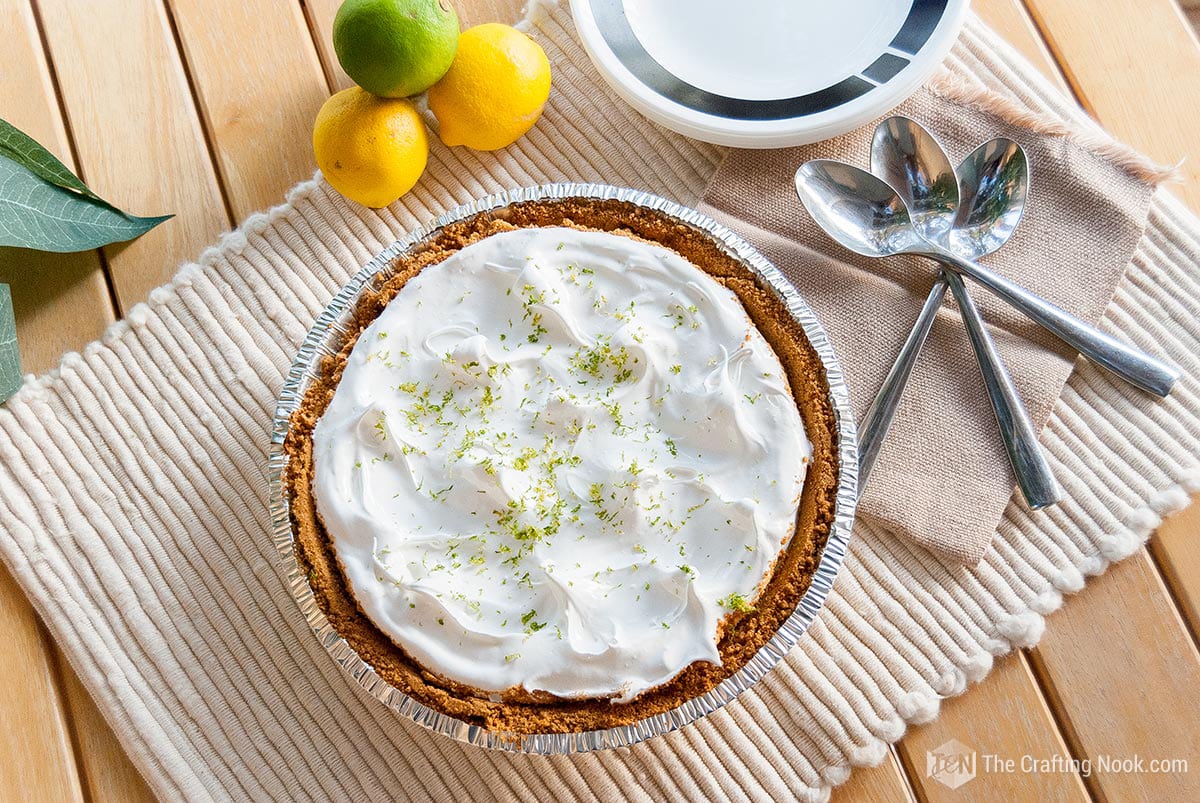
<point>952,764</point>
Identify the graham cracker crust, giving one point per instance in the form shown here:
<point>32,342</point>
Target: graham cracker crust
<point>743,633</point>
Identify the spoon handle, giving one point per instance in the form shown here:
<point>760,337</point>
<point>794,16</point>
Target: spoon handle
<point>1034,477</point>
<point>878,418</point>
<point>1127,362</point>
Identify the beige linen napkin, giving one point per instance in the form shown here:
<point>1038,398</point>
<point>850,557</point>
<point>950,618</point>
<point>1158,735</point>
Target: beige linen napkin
<point>943,478</point>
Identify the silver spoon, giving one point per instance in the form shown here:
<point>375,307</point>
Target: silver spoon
<point>993,183</point>
<point>909,158</point>
<point>865,215</point>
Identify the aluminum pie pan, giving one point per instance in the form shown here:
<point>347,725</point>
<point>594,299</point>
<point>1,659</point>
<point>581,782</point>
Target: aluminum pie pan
<point>325,338</point>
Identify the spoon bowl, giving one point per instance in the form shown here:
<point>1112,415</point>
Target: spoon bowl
<point>993,184</point>
<point>907,157</point>
<point>862,212</point>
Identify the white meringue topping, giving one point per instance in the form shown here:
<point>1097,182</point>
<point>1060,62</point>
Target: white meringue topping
<point>556,461</point>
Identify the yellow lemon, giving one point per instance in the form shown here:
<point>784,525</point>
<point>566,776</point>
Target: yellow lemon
<point>371,149</point>
<point>495,89</point>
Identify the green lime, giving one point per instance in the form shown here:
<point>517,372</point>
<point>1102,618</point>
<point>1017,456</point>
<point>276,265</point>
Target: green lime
<point>395,48</point>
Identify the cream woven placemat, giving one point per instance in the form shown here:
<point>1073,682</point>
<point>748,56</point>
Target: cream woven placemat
<point>134,511</point>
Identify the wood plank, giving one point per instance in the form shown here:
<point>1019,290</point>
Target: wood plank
<point>1127,685</point>
<point>320,14</point>
<point>1135,65</point>
<point>1004,716</point>
<point>1176,548</point>
<point>36,756</point>
<point>1142,81</point>
<point>885,782</point>
<point>263,108</point>
<point>1010,19</point>
<point>108,774</point>
<point>61,300</point>
<point>136,132</point>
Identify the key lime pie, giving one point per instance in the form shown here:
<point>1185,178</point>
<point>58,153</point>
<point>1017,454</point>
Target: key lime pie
<point>573,466</point>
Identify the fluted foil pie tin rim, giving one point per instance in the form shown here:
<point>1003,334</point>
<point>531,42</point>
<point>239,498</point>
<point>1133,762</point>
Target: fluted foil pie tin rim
<point>326,337</point>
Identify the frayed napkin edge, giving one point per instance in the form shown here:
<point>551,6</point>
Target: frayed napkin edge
<point>955,89</point>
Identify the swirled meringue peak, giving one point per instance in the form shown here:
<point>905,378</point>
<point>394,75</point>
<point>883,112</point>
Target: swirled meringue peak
<point>556,461</point>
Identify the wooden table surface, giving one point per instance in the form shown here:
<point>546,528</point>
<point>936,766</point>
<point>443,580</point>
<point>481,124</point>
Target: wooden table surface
<point>204,109</point>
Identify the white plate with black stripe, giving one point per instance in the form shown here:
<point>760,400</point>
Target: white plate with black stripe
<point>766,73</point>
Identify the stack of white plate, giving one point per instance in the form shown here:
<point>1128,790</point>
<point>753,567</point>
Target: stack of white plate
<point>766,73</point>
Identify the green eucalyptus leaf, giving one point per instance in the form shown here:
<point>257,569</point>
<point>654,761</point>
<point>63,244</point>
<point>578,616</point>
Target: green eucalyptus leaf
<point>25,150</point>
<point>35,213</point>
<point>10,358</point>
